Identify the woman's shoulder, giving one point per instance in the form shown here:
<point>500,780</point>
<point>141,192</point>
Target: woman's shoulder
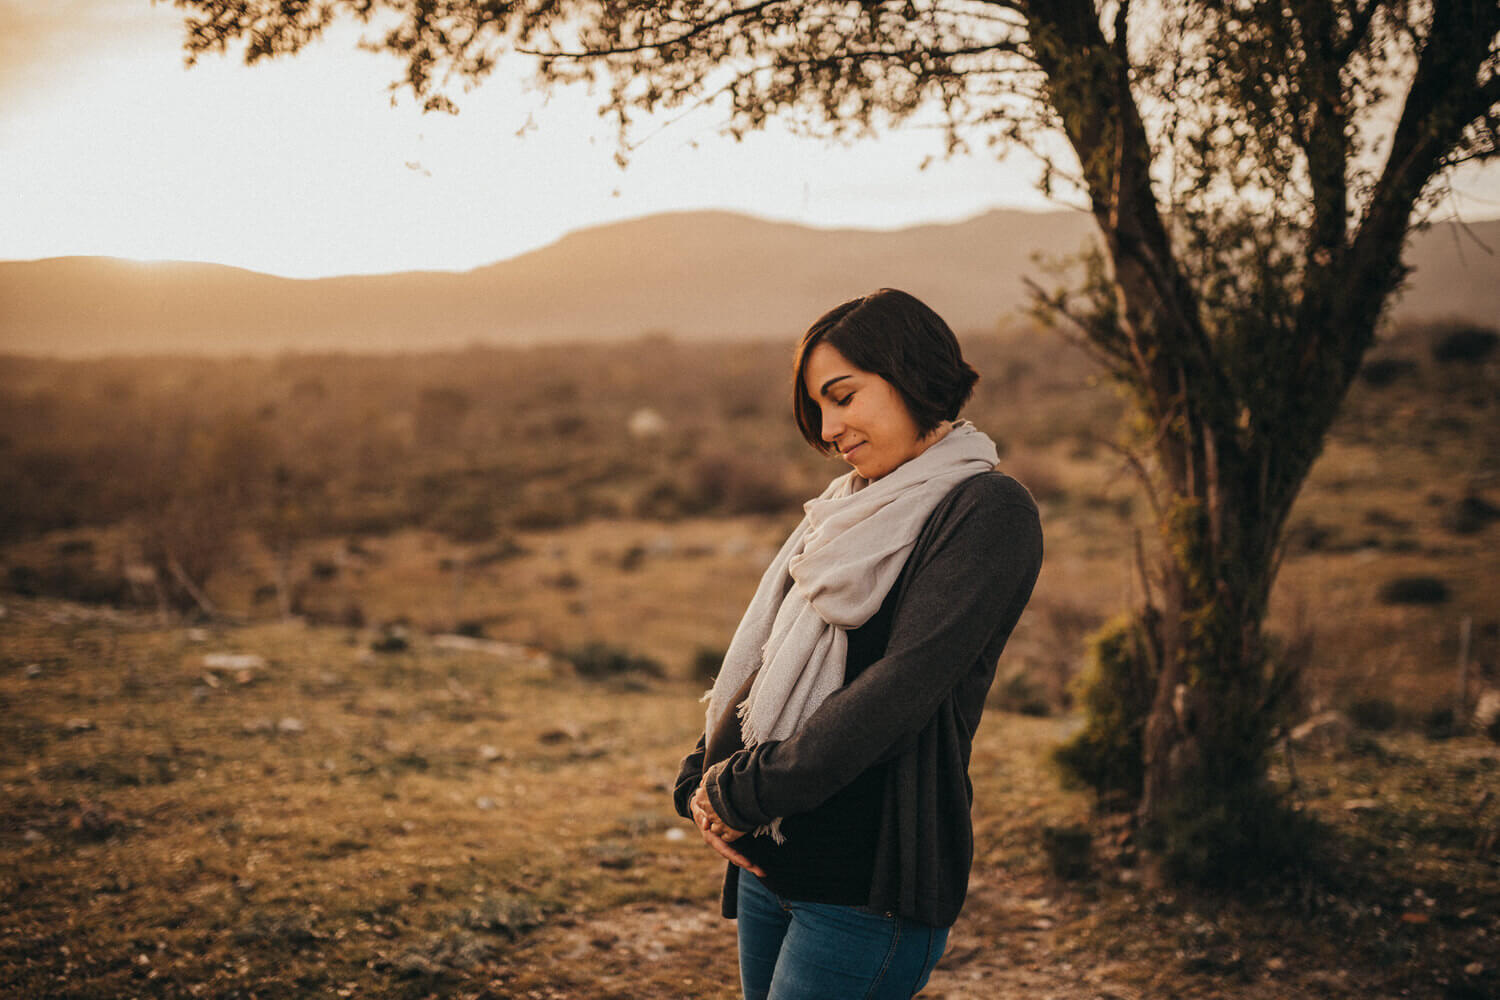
<point>982,512</point>
<point>992,490</point>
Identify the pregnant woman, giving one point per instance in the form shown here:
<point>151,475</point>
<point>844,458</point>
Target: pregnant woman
<point>833,769</point>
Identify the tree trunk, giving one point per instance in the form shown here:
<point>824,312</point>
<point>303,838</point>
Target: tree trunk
<point>1219,689</point>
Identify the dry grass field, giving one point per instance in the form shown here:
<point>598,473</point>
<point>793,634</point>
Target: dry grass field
<point>473,596</point>
<point>320,819</point>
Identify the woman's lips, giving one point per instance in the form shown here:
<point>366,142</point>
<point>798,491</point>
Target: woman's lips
<point>853,450</point>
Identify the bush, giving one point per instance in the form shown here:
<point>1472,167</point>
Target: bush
<point>70,580</point>
<point>1238,839</point>
<point>1465,345</point>
<point>1441,723</point>
<point>735,486</point>
<point>1470,515</point>
<point>1116,690</point>
<point>600,660</point>
<point>1414,590</point>
<point>706,664</point>
<point>1019,693</point>
<point>1068,849</point>
<point>467,518</point>
<point>1375,713</point>
<point>1381,372</point>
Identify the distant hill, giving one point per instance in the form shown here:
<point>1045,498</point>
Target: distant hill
<point>692,275</point>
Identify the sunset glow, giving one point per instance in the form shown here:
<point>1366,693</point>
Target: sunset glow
<point>304,167</point>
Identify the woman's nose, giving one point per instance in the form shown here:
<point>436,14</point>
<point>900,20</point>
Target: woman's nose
<point>832,427</point>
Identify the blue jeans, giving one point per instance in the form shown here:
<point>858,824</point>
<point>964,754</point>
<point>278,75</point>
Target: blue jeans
<point>818,951</point>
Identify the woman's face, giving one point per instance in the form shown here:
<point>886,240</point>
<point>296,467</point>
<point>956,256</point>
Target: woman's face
<point>863,414</point>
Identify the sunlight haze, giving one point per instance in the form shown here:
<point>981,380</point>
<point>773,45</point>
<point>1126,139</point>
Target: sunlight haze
<point>303,167</point>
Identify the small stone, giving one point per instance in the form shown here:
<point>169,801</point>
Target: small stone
<point>488,753</point>
<point>197,635</point>
<point>646,423</point>
<point>1361,805</point>
<point>33,670</point>
<point>1474,969</point>
<point>290,725</point>
<point>1275,964</point>
<point>78,724</point>
<point>234,661</point>
<point>676,834</point>
<point>1487,709</point>
<point>1325,731</point>
<point>485,802</point>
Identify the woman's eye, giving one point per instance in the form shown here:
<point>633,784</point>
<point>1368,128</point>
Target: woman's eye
<point>845,400</point>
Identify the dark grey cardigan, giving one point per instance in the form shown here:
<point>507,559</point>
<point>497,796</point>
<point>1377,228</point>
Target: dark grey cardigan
<point>958,598</point>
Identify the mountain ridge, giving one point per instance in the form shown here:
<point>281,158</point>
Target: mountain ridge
<point>690,274</point>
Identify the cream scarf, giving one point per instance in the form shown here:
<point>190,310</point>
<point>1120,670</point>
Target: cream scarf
<point>832,575</point>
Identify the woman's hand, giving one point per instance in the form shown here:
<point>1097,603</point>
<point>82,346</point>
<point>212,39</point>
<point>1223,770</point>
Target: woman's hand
<point>716,833</point>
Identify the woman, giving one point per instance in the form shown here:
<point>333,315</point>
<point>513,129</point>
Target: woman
<point>833,771</point>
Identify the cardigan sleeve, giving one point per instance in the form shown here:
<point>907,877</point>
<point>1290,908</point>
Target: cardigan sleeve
<point>975,567</point>
<point>689,777</point>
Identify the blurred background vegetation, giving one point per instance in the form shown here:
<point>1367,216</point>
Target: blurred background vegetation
<point>263,487</point>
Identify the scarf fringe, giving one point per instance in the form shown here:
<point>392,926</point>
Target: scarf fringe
<point>773,828</point>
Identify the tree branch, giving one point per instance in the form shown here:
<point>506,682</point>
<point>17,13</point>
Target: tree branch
<point>1175,366</point>
<point>1361,18</point>
<point>698,28</point>
<point>1443,101</point>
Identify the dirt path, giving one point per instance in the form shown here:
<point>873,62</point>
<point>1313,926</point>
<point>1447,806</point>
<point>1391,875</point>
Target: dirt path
<point>686,950</point>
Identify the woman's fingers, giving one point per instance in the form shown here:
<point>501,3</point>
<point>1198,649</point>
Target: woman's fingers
<point>716,834</point>
<point>702,809</point>
<point>734,857</point>
<point>707,819</point>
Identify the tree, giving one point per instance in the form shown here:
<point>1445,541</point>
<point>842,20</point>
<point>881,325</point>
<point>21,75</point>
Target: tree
<point>1254,167</point>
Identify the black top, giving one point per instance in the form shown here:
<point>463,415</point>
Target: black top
<point>829,852</point>
<point>911,713</point>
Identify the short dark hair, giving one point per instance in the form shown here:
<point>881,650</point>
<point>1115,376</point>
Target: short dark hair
<point>895,335</point>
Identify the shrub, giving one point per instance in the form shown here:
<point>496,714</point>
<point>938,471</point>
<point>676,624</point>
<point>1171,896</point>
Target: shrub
<point>1381,372</point>
<point>1116,691</point>
<point>706,664</point>
<point>601,660</point>
<point>467,518</point>
<point>1239,839</point>
<point>1441,723</point>
<point>1374,713</point>
<point>392,639</point>
<point>70,580</point>
<point>1019,693</point>
<point>1470,515</point>
<point>736,486</point>
<point>1414,590</point>
<point>1068,849</point>
<point>1465,345</point>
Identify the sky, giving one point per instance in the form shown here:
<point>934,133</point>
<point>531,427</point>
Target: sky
<point>304,167</point>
